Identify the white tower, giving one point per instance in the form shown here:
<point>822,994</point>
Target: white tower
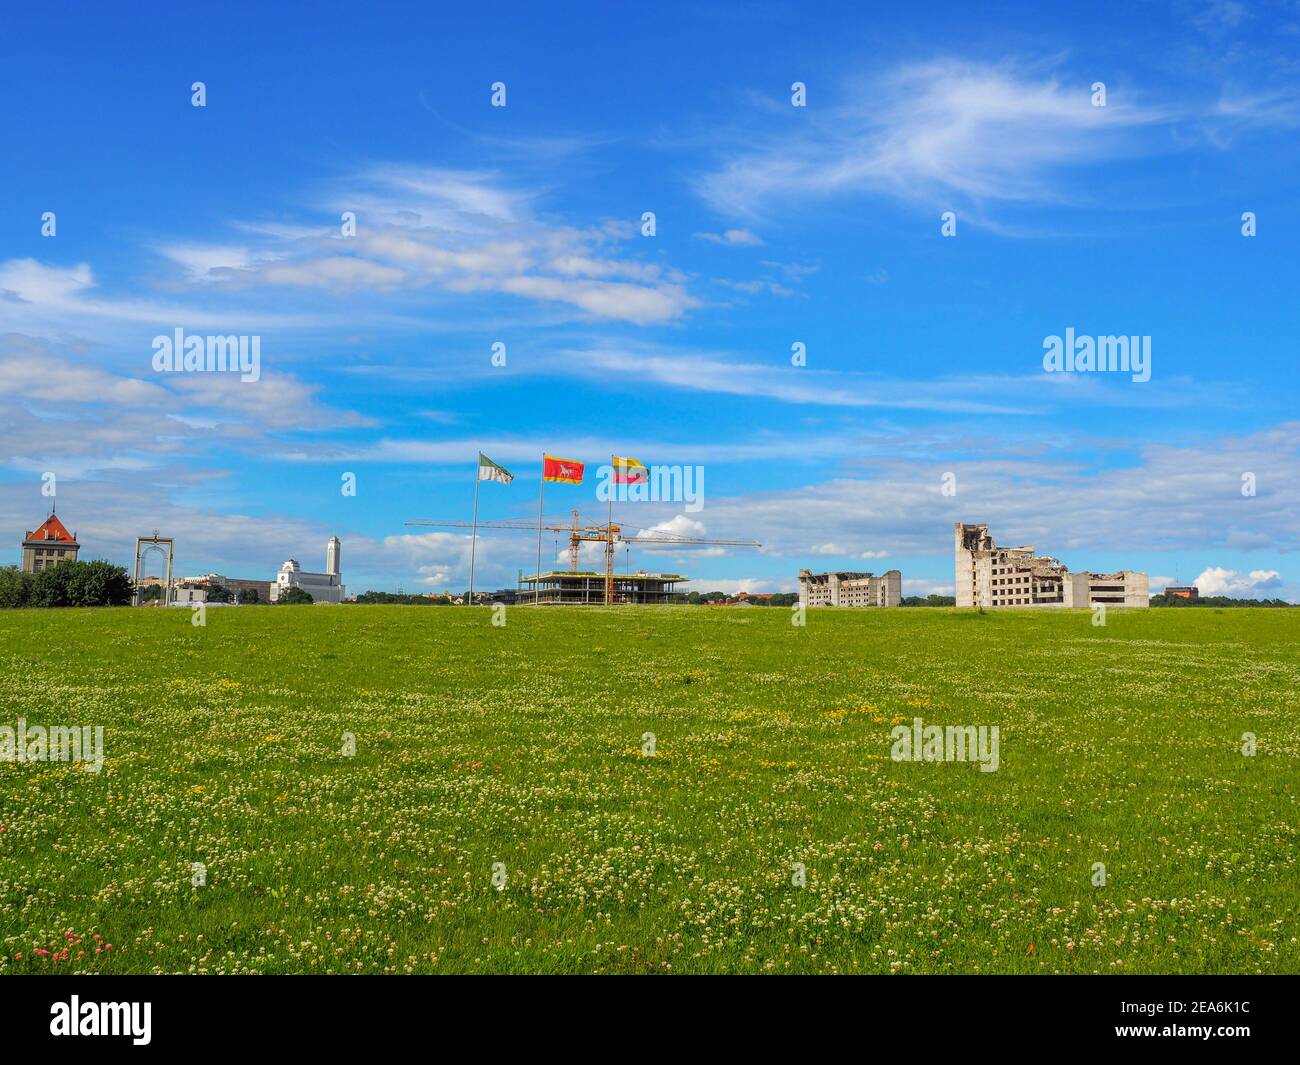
<point>332,559</point>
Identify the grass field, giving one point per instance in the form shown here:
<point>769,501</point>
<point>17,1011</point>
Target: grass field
<point>522,746</point>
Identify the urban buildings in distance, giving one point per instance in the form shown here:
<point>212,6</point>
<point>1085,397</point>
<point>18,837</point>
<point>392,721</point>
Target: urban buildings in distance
<point>324,587</point>
<point>850,589</point>
<point>992,576</point>
<point>49,545</point>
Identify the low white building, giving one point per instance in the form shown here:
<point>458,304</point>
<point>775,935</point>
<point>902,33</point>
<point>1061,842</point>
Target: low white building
<point>322,587</point>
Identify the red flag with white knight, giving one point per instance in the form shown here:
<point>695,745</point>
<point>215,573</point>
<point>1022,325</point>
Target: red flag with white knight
<point>565,471</point>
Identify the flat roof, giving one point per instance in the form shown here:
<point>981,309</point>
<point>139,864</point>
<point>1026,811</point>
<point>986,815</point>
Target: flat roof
<point>566,574</point>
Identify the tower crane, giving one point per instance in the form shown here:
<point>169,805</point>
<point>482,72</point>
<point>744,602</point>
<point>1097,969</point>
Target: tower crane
<point>609,533</point>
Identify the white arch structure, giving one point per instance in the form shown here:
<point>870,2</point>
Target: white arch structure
<point>163,544</point>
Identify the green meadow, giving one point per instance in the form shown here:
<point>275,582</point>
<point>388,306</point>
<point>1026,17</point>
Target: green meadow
<point>501,812</point>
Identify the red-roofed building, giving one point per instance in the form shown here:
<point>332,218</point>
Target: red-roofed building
<point>49,545</point>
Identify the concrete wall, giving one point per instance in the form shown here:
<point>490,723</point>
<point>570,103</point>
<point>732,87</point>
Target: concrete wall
<point>966,538</point>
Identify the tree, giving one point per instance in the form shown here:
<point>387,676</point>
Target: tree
<point>247,596</point>
<point>97,583</point>
<point>1165,599</point>
<point>15,587</point>
<point>295,597</point>
<point>373,598</point>
<point>218,593</point>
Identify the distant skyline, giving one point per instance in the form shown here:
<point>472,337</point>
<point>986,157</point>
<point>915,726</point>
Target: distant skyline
<point>774,226</point>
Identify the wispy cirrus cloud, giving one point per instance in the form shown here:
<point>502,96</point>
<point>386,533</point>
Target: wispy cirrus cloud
<point>727,374</point>
<point>951,132</point>
<point>45,298</point>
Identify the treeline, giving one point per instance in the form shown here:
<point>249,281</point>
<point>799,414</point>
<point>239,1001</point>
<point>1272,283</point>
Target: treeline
<point>779,599</point>
<point>97,583</point>
<point>219,593</point>
<point>929,600</point>
<point>392,599</point>
<point>1164,599</point>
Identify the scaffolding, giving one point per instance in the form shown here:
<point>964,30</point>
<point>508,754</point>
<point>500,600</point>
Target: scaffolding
<point>589,587</point>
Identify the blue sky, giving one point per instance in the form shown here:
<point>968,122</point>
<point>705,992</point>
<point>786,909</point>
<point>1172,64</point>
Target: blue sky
<point>775,224</point>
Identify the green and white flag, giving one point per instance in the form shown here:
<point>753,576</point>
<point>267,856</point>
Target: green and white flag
<point>490,471</point>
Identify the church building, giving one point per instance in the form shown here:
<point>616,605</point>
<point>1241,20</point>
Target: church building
<point>324,587</point>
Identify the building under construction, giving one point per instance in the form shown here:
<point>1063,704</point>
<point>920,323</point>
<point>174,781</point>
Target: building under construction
<point>575,586</point>
<point>588,587</point>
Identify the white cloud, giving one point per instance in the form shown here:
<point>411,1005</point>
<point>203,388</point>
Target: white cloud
<point>721,373</point>
<point>732,585</point>
<point>735,238</point>
<point>844,552</point>
<point>36,297</point>
<point>924,586</point>
<point>1217,580</point>
<point>462,200</point>
<point>827,549</point>
<point>464,232</point>
<point>29,371</point>
<point>206,262</point>
<point>934,131</point>
<point>277,400</point>
<point>605,299</point>
<point>75,417</point>
<point>34,282</point>
<point>680,525</point>
<point>334,272</point>
<point>1085,511</point>
<point>520,449</point>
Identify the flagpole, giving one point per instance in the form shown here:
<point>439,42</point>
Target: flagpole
<point>609,527</point>
<point>473,536</point>
<point>541,488</point>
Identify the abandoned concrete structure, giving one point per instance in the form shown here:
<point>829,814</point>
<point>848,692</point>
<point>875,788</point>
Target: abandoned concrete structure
<point>850,589</point>
<point>588,587</point>
<point>992,576</point>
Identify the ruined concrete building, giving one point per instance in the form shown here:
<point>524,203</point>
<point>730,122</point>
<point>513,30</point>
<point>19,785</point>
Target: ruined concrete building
<point>992,576</point>
<point>850,589</point>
